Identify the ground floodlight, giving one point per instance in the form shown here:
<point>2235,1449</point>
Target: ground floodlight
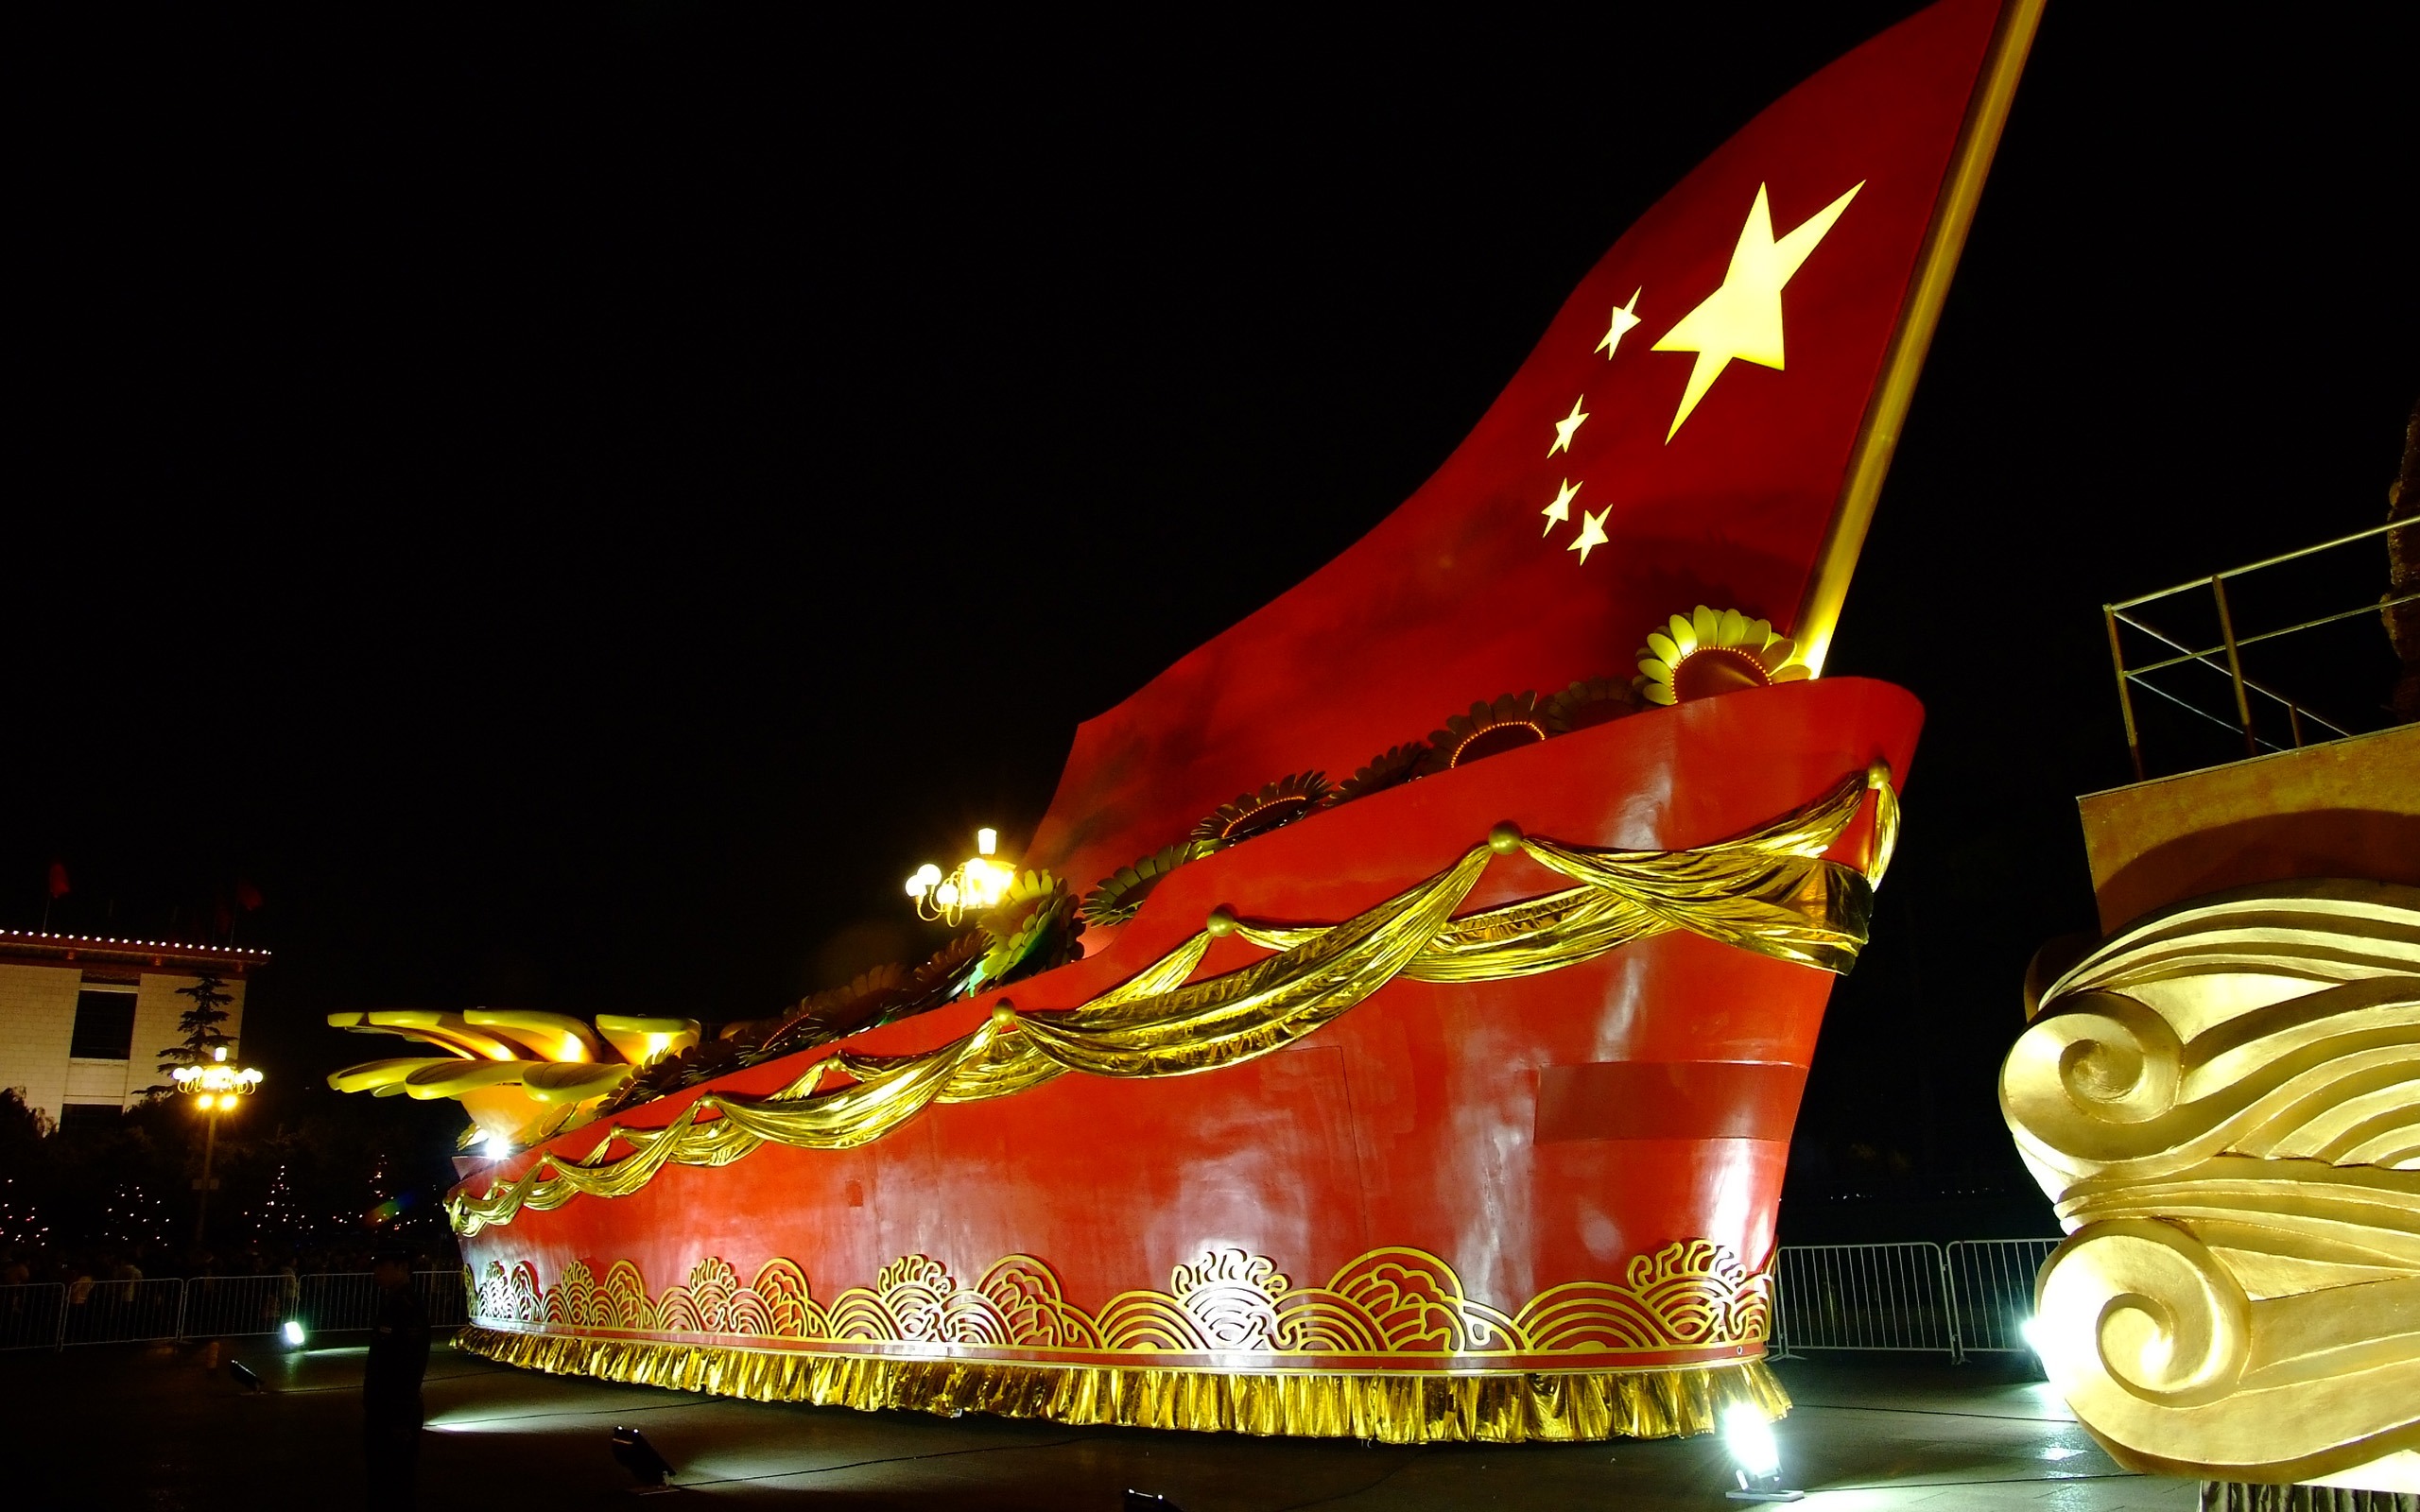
<point>2031,1331</point>
<point>1148,1502</point>
<point>635,1455</point>
<point>243,1374</point>
<point>293,1333</point>
<point>1748,1437</point>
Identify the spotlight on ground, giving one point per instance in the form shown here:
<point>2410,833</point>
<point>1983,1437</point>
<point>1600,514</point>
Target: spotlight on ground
<point>1748,1438</point>
<point>635,1455</point>
<point>1147,1502</point>
<point>243,1375</point>
<point>2031,1331</point>
<point>293,1333</point>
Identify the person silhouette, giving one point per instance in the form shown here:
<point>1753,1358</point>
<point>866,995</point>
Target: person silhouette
<point>390,1402</point>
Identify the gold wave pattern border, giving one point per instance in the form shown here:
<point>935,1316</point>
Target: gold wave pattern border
<point>2224,1101</point>
<point>1692,1294</point>
<point>1768,891</point>
<point>1384,1406</point>
<point>1396,1301</point>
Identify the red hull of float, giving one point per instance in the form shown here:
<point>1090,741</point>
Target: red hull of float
<point>1548,1146</point>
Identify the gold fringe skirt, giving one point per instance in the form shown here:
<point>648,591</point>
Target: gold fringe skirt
<point>1390,1407</point>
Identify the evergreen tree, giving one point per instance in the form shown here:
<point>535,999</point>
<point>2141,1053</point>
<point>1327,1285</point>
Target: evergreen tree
<point>203,1038</point>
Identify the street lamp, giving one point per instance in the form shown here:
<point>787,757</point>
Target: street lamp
<point>215,1086</point>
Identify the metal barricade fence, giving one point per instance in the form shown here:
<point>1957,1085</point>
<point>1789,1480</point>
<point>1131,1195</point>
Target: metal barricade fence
<point>332,1303</point>
<point>1993,1283</point>
<point>217,1306</point>
<point>122,1312</point>
<point>51,1317</point>
<point>30,1315</point>
<point>1862,1296</point>
<point>443,1296</point>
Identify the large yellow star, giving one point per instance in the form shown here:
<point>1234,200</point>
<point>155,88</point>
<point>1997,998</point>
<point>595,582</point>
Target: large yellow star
<point>1625,316</point>
<point>1564,427</point>
<point>1559,513</point>
<point>1592,533</point>
<point>1742,318</point>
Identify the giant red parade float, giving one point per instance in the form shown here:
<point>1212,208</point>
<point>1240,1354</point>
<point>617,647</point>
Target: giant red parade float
<point>1448,1099</point>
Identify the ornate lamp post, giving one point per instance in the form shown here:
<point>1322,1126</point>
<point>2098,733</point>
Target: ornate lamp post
<point>214,1086</point>
<point>977,885</point>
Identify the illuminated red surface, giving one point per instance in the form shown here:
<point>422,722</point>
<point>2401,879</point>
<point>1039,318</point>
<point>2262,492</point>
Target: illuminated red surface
<point>1412,1120</point>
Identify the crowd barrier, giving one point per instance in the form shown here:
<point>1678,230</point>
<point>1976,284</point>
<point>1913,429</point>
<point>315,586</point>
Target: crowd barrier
<point>53,1317</point>
<point>1969,1297</point>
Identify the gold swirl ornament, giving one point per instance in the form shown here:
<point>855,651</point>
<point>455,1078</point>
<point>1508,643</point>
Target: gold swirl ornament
<point>2223,1102</point>
<point>1710,652</point>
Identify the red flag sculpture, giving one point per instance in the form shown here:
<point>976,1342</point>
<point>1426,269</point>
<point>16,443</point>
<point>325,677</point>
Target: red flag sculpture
<point>1445,1100</point>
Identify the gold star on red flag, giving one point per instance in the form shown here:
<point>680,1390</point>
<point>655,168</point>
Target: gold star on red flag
<point>1559,513</point>
<point>1592,533</point>
<point>1742,318</point>
<point>1625,317</point>
<point>1564,427</point>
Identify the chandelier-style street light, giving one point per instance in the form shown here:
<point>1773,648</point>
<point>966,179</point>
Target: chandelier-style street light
<point>216,1085</point>
<point>979,883</point>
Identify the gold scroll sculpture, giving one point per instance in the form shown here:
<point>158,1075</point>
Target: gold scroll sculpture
<point>2224,1101</point>
<point>1770,892</point>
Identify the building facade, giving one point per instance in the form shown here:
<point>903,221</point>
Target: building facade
<point>84,1020</point>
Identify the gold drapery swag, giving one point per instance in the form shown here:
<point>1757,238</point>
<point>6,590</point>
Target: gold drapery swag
<point>1392,1407</point>
<point>1770,892</point>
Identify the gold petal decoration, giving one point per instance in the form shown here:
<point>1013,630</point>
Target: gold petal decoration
<point>1119,895</point>
<point>1710,652</point>
<point>639,1041</point>
<point>1390,768</point>
<point>374,1075</point>
<point>1590,702</point>
<point>544,1036</point>
<point>1489,729</point>
<point>452,1079</point>
<point>447,1031</point>
<point>573,1081</point>
<point>1768,891</point>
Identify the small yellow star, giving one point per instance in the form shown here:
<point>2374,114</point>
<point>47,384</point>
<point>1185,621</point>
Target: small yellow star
<point>1592,533</point>
<point>1742,318</point>
<point>1559,513</point>
<point>1564,427</point>
<point>1625,316</point>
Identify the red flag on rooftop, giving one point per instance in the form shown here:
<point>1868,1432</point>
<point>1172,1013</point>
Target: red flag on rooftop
<point>1706,421</point>
<point>58,879</point>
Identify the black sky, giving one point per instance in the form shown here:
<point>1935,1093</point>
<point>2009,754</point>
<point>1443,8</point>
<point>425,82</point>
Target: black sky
<point>574,505</point>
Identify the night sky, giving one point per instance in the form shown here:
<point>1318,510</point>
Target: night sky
<point>573,506</point>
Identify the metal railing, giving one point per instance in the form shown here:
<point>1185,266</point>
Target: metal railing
<point>1863,1298</point>
<point>2226,656</point>
<point>52,1317</point>
<point>1969,1298</point>
<point>1992,1282</point>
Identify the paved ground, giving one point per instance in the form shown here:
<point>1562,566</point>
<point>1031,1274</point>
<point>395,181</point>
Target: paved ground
<point>125,1427</point>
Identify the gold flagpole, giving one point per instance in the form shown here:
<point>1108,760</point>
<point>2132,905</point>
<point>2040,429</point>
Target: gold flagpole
<point>1827,586</point>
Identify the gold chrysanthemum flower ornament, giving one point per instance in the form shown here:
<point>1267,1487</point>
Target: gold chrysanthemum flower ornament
<point>1119,895</point>
<point>1511,722</point>
<point>1709,651</point>
<point>1277,803</point>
